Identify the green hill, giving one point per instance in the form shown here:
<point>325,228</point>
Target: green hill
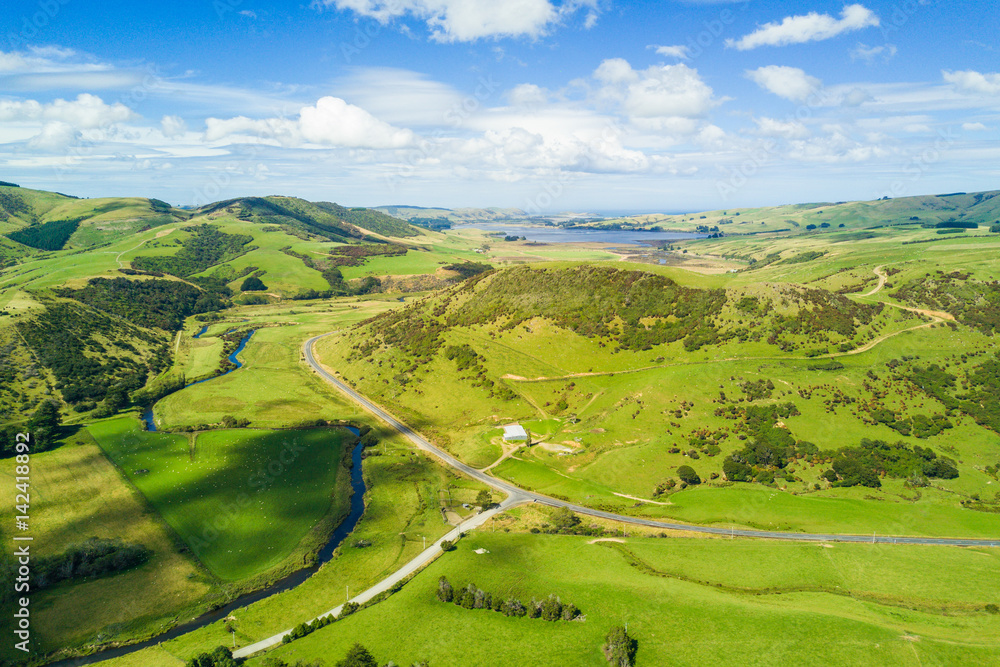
<point>324,219</point>
<point>982,208</point>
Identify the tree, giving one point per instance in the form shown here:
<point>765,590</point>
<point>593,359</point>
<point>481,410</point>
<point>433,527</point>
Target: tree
<point>253,284</point>
<point>564,519</point>
<point>358,656</point>
<point>445,592</point>
<point>620,648</point>
<point>688,475</point>
<point>484,499</point>
<point>220,657</point>
<point>44,426</point>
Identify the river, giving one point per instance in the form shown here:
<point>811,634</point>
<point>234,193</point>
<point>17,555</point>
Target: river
<point>339,534</point>
<point>147,416</point>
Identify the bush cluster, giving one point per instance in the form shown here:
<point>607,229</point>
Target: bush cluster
<point>472,597</point>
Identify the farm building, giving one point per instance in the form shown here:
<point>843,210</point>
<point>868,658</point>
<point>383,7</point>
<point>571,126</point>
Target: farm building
<point>514,432</point>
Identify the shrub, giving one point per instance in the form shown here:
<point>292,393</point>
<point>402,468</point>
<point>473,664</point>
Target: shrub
<point>688,475</point>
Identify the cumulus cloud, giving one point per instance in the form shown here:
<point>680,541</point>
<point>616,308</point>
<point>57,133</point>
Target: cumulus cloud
<point>330,122</point>
<point>977,83</point>
<point>789,82</point>
<point>470,20</point>
<point>870,54</point>
<point>173,126</point>
<point>655,92</point>
<point>807,28</point>
<point>786,129</point>
<point>676,51</point>
<point>527,95</point>
<point>973,127</point>
<point>54,135</point>
<point>334,122</point>
<point>85,112</point>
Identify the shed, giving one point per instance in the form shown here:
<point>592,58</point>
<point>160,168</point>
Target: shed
<point>514,432</point>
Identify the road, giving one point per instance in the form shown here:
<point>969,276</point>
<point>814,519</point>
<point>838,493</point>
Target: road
<point>424,557</point>
<point>517,495</point>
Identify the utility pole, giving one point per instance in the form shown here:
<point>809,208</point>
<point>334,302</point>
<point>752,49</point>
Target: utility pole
<point>347,593</point>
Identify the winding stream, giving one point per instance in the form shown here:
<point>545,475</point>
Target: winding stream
<point>287,583</point>
<point>147,416</point>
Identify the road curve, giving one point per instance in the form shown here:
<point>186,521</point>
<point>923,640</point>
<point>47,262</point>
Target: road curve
<point>517,495</point>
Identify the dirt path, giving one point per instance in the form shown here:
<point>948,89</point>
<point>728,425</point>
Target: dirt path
<point>508,451</point>
<point>160,234</point>
<point>935,315</point>
<point>882,277</point>
<point>641,500</point>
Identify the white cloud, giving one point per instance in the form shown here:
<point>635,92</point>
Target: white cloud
<point>173,126</point>
<point>786,129</point>
<point>330,122</point>
<point>870,54</point>
<point>527,95</point>
<point>676,51</point>
<point>54,135</point>
<point>470,20</point>
<point>855,97</point>
<point>656,92</point>
<point>977,83</point>
<point>404,97</point>
<point>85,112</point>
<point>973,127</point>
<point>788,82</point>
<point>806,28</point>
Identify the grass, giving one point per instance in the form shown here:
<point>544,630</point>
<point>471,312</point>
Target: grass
<point>677,621</point>
<point>222,490</point>
<point>76,493</point>
<point>271,359</point>
<point>402,506</point>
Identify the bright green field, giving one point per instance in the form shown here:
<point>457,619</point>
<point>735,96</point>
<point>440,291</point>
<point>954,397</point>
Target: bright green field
<point>225,490</point>
<point>402,506</point>
<point>274,388</point>
<point>878,616</point>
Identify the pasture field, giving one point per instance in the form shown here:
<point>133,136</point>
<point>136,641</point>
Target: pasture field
<point>222,490</point>
<point>274,388</point>
<point>627,418</point>
<point>76,494</point>
<point>686,601</point>
<point>401,508</point>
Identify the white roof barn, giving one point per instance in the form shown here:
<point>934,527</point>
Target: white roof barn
<point>514,432</point>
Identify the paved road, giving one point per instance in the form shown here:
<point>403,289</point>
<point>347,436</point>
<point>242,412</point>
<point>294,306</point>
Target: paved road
<point>424,557</point>
<point>517,495</point>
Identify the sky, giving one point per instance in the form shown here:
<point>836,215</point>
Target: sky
<point>543,105</point>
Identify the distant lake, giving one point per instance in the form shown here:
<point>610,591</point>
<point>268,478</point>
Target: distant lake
<point>560,235</point>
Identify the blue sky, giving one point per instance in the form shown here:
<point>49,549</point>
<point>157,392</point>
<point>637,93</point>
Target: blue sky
<point>545,105</point>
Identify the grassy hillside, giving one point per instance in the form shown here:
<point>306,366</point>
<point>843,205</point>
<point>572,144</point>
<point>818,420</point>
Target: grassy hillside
<point>644,376</point>
<point>982,208</point>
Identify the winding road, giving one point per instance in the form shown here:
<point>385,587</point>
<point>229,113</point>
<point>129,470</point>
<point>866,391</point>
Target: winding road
<point>517,495</point>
